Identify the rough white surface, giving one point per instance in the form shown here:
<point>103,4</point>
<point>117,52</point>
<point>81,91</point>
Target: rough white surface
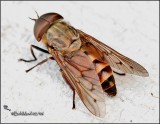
<point>132,28</point>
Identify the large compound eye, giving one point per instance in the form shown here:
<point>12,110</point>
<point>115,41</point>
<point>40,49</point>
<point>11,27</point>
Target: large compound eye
<point>43,23</point>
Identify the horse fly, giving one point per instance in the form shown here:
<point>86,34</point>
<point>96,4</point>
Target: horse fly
<point>85,62</point>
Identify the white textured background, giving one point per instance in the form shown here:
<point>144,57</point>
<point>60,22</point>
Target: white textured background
<point>131,28</point>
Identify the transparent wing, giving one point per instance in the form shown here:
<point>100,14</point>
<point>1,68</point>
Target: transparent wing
<point>89,91</point>
<point>114,58</point>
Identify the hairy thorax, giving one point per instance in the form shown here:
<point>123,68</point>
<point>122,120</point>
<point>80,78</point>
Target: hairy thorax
<point>62,37</point>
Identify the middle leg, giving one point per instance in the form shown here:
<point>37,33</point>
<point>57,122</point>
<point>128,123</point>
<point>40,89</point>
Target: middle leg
<point>50,58</point>
<point>68,82</point>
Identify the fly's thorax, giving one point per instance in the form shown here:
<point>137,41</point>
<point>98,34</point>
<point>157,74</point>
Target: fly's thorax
<point>62,37</point>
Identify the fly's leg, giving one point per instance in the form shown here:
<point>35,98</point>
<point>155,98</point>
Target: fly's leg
<point>31,48</point>
<point>70,85</point>
<point>50,58</point>
<point>73,100</point>
<point>121,74</point>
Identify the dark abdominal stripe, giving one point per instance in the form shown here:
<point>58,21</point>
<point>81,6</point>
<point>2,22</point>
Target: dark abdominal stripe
<point>108,84</point>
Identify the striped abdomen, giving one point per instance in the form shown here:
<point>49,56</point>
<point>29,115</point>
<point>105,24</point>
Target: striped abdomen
<point>104,72</point>
<point>102,68</point>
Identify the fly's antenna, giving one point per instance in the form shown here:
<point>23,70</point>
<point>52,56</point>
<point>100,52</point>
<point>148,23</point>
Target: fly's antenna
<point>37,17</point>
<point>37,14</point>
<point>33,19</point>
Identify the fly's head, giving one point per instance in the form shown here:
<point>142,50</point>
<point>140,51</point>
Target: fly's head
<point>43,23</point>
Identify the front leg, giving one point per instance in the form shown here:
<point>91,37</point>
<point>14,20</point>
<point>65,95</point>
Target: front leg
<point>31,49</point>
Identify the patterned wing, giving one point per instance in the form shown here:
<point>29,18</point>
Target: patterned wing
<point>114,58</point>
<point>79,71</point>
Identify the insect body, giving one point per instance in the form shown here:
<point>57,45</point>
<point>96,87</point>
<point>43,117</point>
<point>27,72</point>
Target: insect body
<point>85,62</point>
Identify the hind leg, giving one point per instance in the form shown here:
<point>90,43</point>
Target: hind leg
<point>121,74</point>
